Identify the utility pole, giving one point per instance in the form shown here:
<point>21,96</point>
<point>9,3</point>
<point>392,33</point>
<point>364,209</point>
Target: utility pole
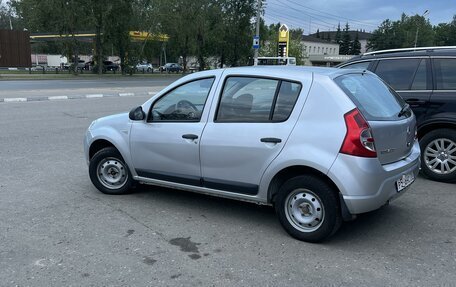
<point>257,33</point>
<point>417,26</point>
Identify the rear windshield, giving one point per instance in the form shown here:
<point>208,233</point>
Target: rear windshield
<point>376,101</point>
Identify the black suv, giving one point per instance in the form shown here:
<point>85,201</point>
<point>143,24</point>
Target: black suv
<point>426,79</point>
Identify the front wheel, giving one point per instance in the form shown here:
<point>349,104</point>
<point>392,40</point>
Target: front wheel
<point>109,172</point>
<point>438,155</point>
<point>308,208</point>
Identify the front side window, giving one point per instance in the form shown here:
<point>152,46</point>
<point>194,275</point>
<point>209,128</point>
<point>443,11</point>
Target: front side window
<point>445,75</point>
<point>398,73</point>
<point>246,99</point>
<point>185,103</point>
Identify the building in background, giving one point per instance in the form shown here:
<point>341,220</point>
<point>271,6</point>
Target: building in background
<point>320,52</point>
<point>363,37</point>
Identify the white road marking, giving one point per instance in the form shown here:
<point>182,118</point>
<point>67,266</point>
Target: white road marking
<point>53,98</point>
<point>94,96</point>
<point>15,100</point>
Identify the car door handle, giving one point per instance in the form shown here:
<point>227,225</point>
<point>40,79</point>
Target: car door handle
<point>271,140</point>
<point>415,102</point>
<point>190,136</point>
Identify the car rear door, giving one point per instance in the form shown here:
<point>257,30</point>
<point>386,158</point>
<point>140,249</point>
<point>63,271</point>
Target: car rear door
<point>443,100</point>
<point>252,119</point>
<point>393,126</point>
<point>411,79</point>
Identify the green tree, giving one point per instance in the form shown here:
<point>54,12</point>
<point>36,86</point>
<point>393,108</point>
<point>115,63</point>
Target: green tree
<point>346,41</point>
<point>338,36</point>
<point>402,33</point>
<point>355,47</point>
<point>118,23</point>
<point>445,33</point>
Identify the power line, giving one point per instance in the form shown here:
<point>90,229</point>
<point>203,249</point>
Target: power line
<point>331,15</point>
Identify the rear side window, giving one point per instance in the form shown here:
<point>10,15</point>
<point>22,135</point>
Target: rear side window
<point>249,100</point>
<point>445,74</point>
<point>398,73</point>
<point>376,101</point>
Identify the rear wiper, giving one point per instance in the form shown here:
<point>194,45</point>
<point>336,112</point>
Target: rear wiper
<point>404,109</point>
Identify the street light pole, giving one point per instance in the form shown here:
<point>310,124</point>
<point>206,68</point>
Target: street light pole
<point>257,32</point>
<point>417,27</point>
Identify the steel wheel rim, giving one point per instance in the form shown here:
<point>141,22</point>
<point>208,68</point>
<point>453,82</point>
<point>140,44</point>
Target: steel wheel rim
<point>304,210</point>
<point>440,156</point>
<point>112,173</point>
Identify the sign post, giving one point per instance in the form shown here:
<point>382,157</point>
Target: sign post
<point>256,38</point>
<point>284,39</point>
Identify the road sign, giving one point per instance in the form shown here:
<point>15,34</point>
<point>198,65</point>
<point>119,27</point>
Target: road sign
<point>256,42</point>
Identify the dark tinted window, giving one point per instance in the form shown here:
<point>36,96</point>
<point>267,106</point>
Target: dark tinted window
<point>288,94</point>
<point>445,74</point>
<point>252,99</point>
<point>360,65</point>
<point>420,80</point>
<point>375,99</point>
<point>398,73</point>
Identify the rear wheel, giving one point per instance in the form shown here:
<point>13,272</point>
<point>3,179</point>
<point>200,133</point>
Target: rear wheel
<point>308,208</point>
<point>109,173</point>
<point>438,155</point>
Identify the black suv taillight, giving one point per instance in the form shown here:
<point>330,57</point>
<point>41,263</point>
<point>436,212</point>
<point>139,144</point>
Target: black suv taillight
<point>358,139</point>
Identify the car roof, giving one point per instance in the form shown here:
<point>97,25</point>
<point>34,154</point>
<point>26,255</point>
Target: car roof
<point>288,71</point>
<point>408,52</point>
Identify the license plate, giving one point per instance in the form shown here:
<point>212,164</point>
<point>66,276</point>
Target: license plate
<point>404,181</point>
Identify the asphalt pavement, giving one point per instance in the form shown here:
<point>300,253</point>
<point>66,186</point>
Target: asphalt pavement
<point>83,86</point>
<point>58,230</point>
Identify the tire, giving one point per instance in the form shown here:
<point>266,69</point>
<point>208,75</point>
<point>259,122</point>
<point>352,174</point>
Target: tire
<point>438,155</point>
<point>109,173</point>
<point>308,208</point>
<point>149,70</point>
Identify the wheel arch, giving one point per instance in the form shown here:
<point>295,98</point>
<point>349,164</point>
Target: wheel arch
<point>98,145</point>
<point>428,127</point>
<point>292,171</point>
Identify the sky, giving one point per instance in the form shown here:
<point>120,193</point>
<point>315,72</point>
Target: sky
<point>360,14</point>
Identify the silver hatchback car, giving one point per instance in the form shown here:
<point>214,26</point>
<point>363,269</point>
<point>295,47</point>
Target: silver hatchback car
<point>319,144</point>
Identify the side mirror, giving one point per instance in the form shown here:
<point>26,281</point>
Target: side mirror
<point>137,114</point>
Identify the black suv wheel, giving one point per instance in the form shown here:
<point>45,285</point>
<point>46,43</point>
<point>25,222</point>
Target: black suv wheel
<point>438,155</point>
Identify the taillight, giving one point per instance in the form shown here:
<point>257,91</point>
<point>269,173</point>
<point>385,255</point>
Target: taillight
<point>358,140</point>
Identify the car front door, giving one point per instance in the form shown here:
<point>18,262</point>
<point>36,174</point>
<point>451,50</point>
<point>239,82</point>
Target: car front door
<point>166,146</point>
<point>248,129</point>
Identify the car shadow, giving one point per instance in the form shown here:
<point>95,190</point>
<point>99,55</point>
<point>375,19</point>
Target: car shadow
<point>364,227</point>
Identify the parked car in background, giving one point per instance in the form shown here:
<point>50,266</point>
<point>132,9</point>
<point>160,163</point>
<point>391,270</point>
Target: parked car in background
<point>426,78</point>
<point>107,66</point>
<point>314,142</point>
<point>144,67</point>
<point>110,66</point>
<point>171,67</point>
<point>80,65</point>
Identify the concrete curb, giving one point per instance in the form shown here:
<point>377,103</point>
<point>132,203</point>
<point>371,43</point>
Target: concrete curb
<point>73,97</point>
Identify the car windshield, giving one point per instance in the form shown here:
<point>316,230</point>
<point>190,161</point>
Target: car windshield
<point>372,96</point>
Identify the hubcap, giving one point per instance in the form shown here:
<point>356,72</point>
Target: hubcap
<point>440,156</point>
<point>304,210</point>
<point>112,173</point>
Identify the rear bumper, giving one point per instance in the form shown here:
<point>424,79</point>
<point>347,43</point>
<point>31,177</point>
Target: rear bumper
<point>367,185</point>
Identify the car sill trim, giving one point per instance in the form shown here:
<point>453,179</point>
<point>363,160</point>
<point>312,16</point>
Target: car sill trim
<point>202,190</point>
